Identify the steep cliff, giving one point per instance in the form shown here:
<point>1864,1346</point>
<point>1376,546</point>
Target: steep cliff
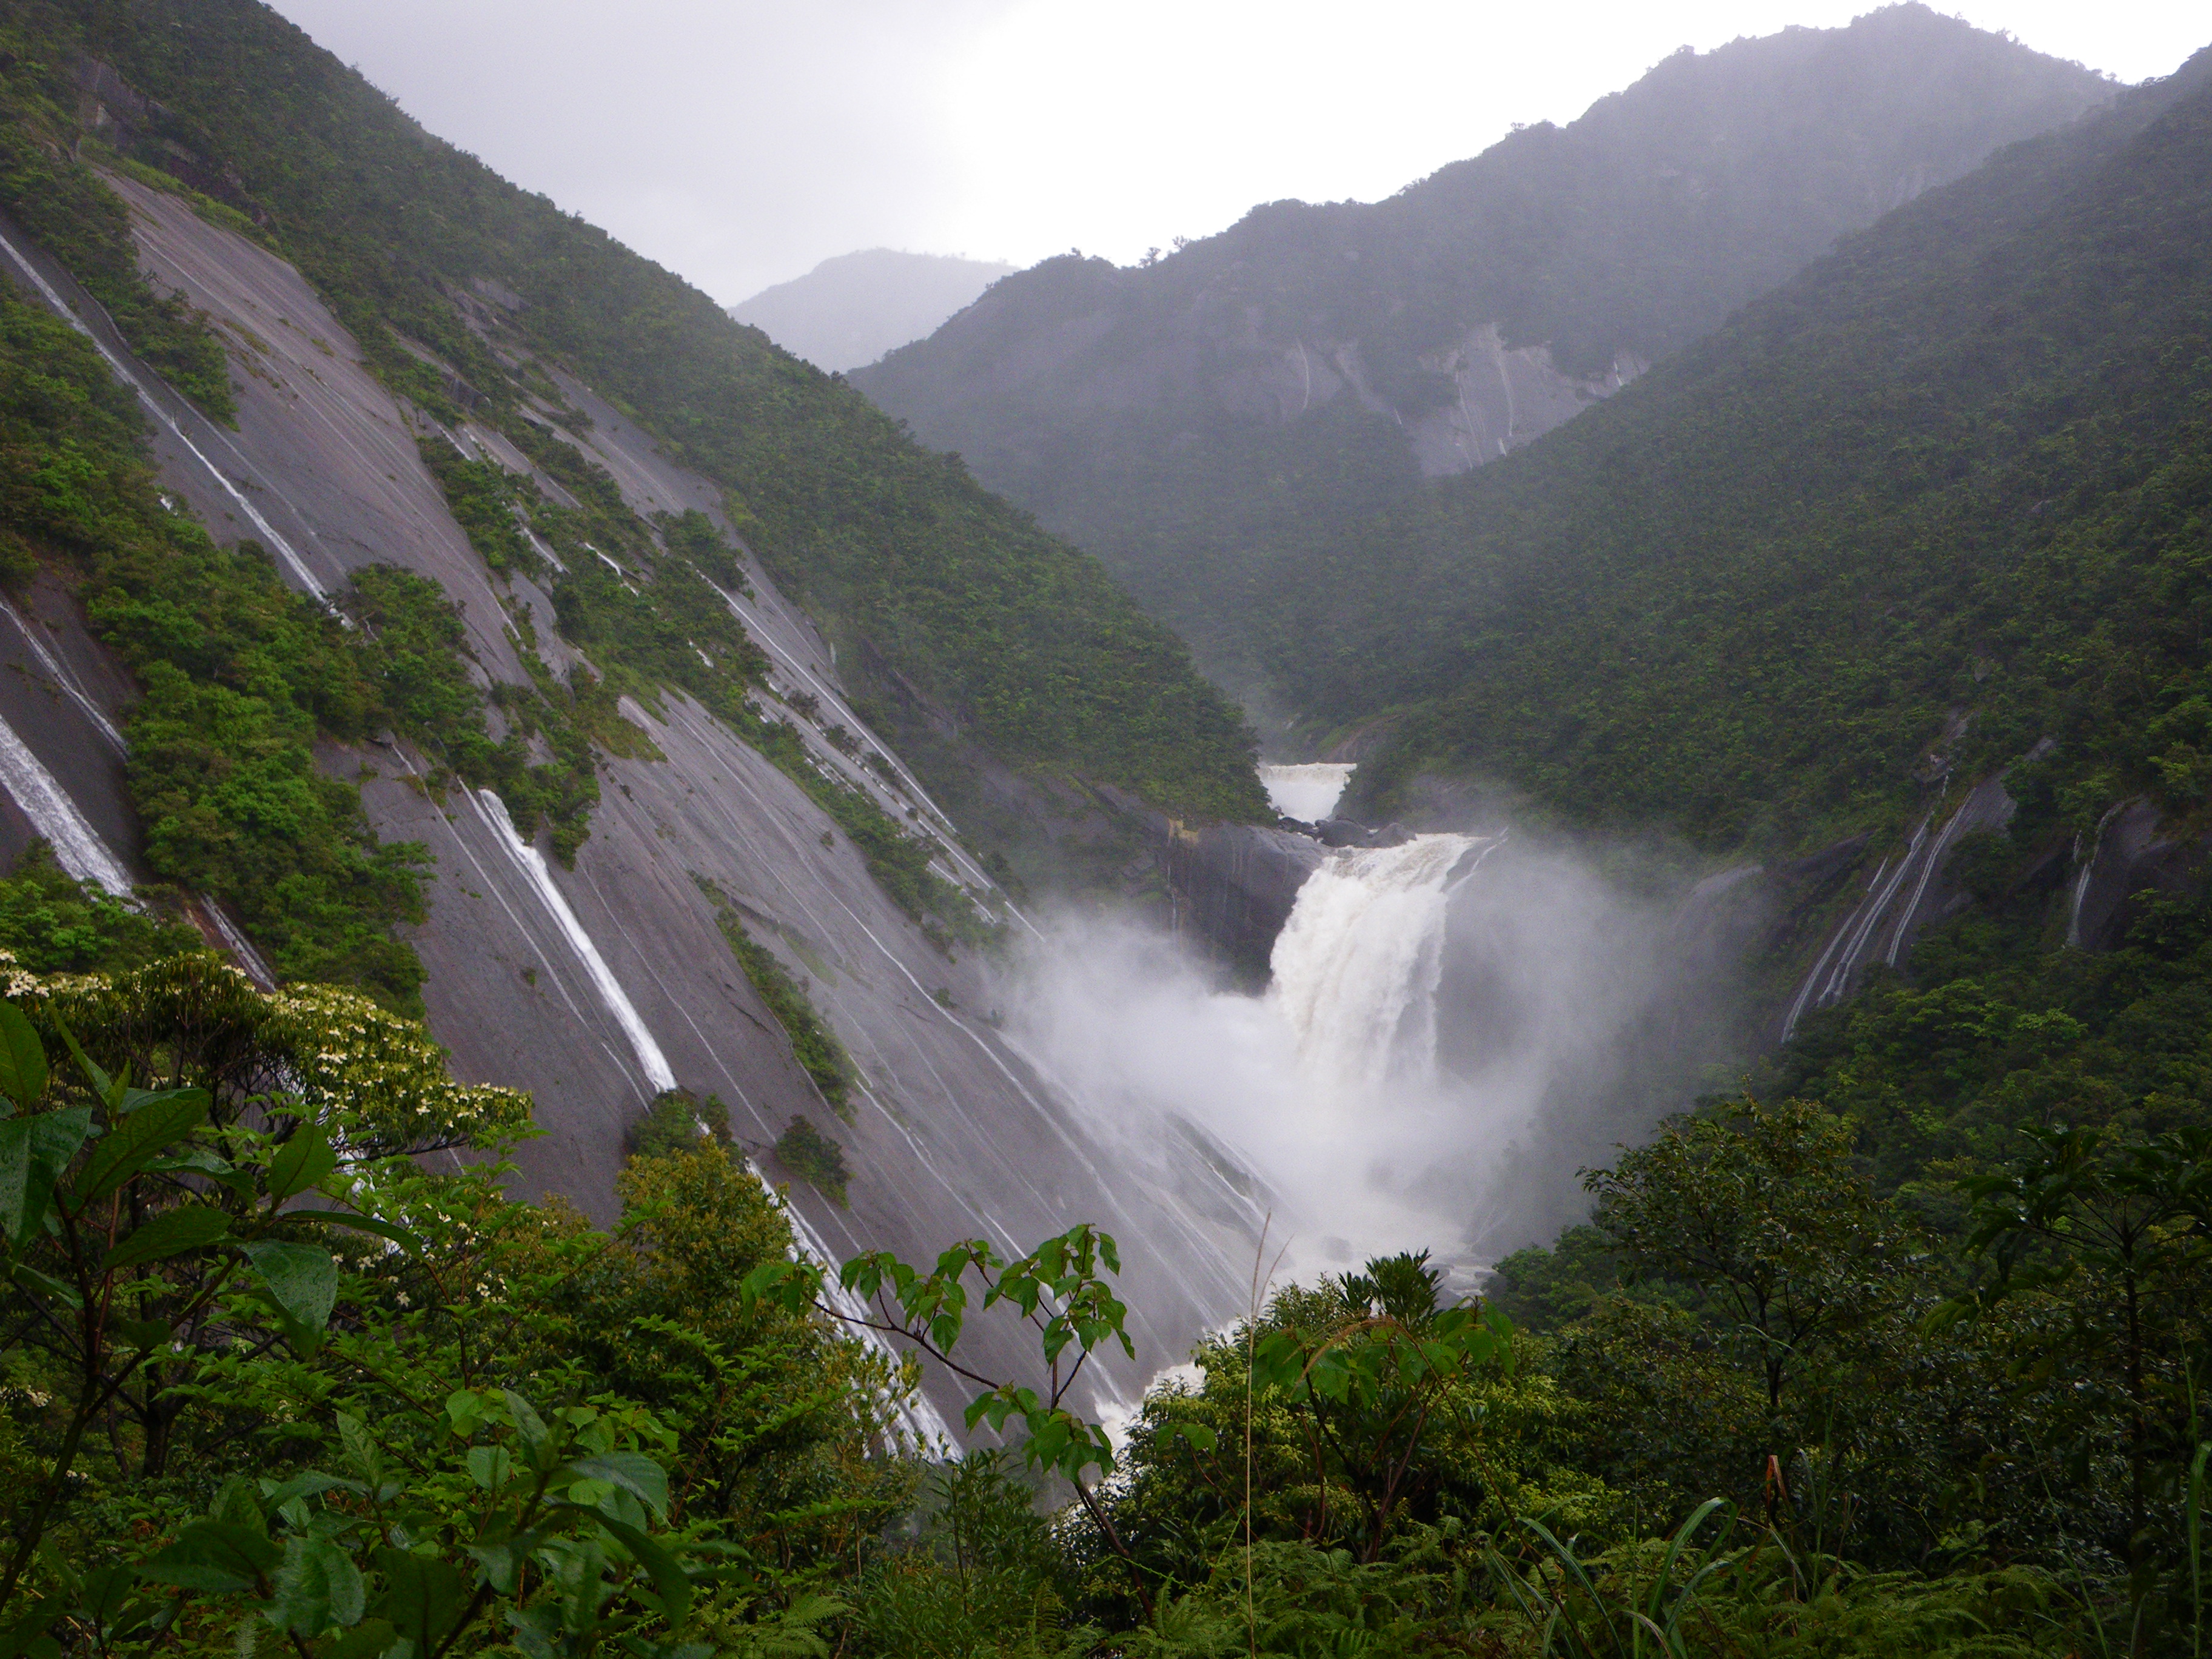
<point>483,698</point>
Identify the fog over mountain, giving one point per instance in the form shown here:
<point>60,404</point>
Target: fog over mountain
<point>852,309</point>
<point>1188,419</point>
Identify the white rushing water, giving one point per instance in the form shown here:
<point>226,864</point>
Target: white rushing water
<point>160,412</point>
<point>531,863</point>
<point>1308,792</point>
<point>1435,1055</point>
<point>1357,966</point>
<point>77,845</point>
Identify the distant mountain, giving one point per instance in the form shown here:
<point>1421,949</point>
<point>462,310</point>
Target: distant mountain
<point>852,309</point>
<point>1938,504</point>
<point>1188,419</point>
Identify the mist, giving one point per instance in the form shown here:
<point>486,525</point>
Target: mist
<point>1453,1029</point>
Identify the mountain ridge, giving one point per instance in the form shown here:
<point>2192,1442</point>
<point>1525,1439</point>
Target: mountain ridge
<point>850,310</point>
<point>1313,363</point>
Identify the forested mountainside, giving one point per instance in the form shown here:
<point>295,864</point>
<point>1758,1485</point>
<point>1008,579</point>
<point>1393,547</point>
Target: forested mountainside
<point>852,309</point>
<point>1194,419</point>
<point>1937,500</point>
<point>910,565</point>
<point>354,630</point>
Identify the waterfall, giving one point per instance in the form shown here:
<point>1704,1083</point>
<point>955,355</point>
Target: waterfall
<point>77,845</point>
<point>58,673</point>
<point>1356,968</point>
<point>1308,792</point>
<point>531,863</point>
<point>160,412</point>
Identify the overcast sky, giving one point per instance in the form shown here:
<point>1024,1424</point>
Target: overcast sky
<point>739,142</point>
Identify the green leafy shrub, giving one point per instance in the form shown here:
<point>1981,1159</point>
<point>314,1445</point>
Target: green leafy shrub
<point>814,1159</point>
<point>52,923</point>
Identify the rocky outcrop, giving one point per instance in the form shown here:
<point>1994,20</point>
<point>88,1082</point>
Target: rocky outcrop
<point>2132,852</point>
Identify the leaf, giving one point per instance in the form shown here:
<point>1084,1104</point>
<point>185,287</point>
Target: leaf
<point>145,1334</point>
<point>489,1467</point>
<point>238,1503</point>
<point>354,1436</point>
<point>671,1583</point>
<point>136,1140</point>
<point>305,1485</point>
<point>527,1423</point>
<point>306,1160</point>
<point>302,1277</point>
<point>198,1160</point>
<point>102,1085</point>
<point>1201,1438</point>
<point>365,1224</point>
<point>27,1638</point>
<point>33,1152</point>
<point>317,1586</point>
<point>32,1280</point>
<point>422,1598</point>
<point>213,1555</point>
<point>634,1471</point>
<point>22,1058</point>
<point>173,1232</point>
<point>502,1563</point>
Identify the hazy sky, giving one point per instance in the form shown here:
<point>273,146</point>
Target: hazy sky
<point>739,142</point>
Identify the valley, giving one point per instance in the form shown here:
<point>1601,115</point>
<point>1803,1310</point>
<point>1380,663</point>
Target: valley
<point>1489,934</point>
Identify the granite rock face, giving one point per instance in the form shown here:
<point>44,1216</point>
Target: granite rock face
<point>597,985</point>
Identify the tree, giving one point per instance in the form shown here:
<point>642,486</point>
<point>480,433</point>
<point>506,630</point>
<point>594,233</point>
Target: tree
<point>2120,1231</point>
<point>1760,1211</point>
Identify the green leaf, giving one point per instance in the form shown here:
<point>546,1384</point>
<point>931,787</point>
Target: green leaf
<point>144,1334</point>
<point>135,1141</point>
<point>422,1598</point>
<point>364,1223</point>
<point>671,1583</point>
<point>354,1436</point>
<point>491,1465</point>
<point>302,1277</point>
<point>304,1484</point>
<point>503,1562</point>
<point>213,1555</point>
<point>527,1423</point>
<point>26,1638</point>
<point>33,1152</point>
<point>370,1639</point>
<point>1201,1438</point>
<point>635,1472</point>
<point>317,1588</point>
<point>173,1232</point>
<point>22,1058</point>
<point>102,1085</point>
<point>306,1160</point>
<point>32,1280</point>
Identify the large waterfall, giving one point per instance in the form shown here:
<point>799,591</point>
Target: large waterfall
<point>1446,1037</point>
<point>1357,967</point>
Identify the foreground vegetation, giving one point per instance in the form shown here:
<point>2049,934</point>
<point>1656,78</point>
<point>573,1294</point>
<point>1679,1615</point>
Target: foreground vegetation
<point>1894,1378</point>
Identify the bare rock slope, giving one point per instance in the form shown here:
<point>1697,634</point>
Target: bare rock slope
<point>599,986</point>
